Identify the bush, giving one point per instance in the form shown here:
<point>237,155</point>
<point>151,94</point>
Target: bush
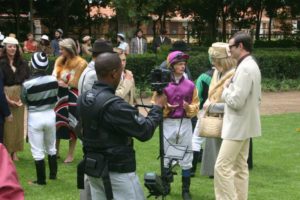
<point>278,66</point>
<point>286,43</point>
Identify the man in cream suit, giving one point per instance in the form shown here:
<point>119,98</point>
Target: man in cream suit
<point>242,96</point>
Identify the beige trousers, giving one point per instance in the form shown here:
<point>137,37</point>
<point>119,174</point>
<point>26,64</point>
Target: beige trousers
<point>231,170</point>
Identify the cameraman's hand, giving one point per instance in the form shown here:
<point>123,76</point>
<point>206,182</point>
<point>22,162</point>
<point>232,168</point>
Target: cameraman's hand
<point>160,100</point>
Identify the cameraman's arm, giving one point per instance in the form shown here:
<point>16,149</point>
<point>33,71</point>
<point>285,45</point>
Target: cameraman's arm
<point>125,119</point>
<point>192,108</point>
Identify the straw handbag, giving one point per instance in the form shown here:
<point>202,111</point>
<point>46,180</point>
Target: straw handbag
<point>211,126</point>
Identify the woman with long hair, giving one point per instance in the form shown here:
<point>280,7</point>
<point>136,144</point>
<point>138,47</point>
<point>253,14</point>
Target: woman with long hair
<point>15,70</point>
<point>67,69</point>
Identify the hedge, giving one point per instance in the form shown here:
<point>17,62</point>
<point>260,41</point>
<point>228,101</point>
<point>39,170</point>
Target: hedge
<point>277,65</point>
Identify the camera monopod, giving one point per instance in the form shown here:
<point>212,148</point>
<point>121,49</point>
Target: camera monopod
<point>154,182</point>
<point>160,185</point>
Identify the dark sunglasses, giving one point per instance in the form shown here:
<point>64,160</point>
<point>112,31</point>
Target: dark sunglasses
<point>233,45</point>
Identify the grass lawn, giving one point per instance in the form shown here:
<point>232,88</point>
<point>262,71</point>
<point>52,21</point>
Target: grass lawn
<point>276,173</point>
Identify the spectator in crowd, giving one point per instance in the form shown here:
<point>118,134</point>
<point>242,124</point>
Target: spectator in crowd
<point>126,87</point>
<point>109,140</point>
<point>122,44</point>
<point>67,69</point>
<point>55,42</point>
<point>9,182</point>
<point>30,45</point>
<point>86,46</point>
<point>202,85</point>
<point>138,44</point>
<point>161,40</point>
<point>224,70</point>
<point>44,45</point>
<point>40,95</point>
<point>15,71</point>
<point>88,76</point>
<point>182,104</point>
<point>242,96</point>
<point>19,46</point>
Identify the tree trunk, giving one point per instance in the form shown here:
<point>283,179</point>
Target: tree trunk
<point>89,17</point>
<point>270,28</point>
<point>223,26</point>
<point>17,18</point>
<point>258,22</point>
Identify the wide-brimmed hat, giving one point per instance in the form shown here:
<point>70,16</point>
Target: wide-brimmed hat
<point>86,38</point>
<point>180,46</point>
<point>175,57</point>
<point>45,37</point>
<point>101,46</point>
<point>219,50</point>
<point>121,35</point>
<point>10,40</point>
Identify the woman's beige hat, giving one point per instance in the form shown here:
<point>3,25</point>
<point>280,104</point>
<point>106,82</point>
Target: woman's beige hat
<point>219,50</point>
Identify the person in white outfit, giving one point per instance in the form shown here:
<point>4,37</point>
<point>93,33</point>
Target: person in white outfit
<point>40,94</point>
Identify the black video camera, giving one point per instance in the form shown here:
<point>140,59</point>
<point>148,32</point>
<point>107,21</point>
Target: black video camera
<point>159,79</point>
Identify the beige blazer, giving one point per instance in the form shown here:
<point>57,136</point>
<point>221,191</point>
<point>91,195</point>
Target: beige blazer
<point>242,101</point>
<point>126,90</point>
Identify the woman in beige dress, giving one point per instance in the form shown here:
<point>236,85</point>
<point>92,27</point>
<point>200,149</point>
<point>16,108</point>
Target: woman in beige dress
<point>15,71</point>
<point>225,68</point>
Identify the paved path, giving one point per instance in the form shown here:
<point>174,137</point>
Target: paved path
<point>272,102</point>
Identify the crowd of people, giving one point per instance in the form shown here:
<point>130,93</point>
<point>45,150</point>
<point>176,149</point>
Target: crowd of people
<point>95,102</point>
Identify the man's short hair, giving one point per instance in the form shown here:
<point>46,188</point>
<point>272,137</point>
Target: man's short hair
<point>107,62</point>
<point>245,39</point>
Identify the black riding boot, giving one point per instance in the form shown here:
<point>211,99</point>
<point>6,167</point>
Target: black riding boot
<point>186,182</point>
<point>194,162</point>
<point>52,160</point>
<point>40,172</point>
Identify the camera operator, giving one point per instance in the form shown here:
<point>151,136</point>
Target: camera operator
<point>108,123</point>
<point>182,104</point>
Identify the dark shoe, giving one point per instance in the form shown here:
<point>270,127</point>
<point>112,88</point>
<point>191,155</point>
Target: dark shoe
<point>211,177</point>
<point>186,182</point>
<point>40,172</point>
<point>52,160</point>
<point>186,196</point>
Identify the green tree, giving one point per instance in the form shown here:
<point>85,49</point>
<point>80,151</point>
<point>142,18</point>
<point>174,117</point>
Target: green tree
<point>272,7</point>
<point>14,9</point>
<point>208,11</point>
